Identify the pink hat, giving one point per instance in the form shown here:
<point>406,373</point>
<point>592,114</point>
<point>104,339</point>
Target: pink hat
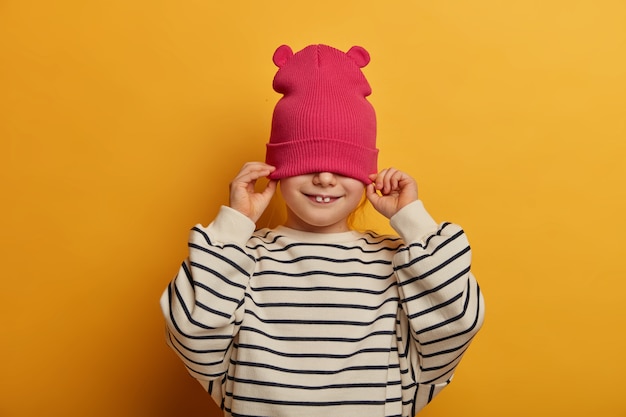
<point>323,122</point>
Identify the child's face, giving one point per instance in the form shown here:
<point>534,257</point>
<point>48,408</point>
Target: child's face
<point>320,202</point>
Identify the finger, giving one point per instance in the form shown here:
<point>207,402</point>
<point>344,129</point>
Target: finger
<point>252,173</point>
<point>270,188</point>
<point>373,178</point>
<point>257,170</point>
<point>249,167</point>
<point>396,180</point>
<point>371,194</point>
<point>387,180</point>
<point>378,179</point>
<point>407,188</point>
<point>389,175</point>
<point>254,164</point>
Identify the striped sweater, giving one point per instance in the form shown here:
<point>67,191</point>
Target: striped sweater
<point>288,323</point>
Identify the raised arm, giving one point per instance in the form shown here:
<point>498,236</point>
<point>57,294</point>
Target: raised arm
<point>203,305</point>
<point>440,297</point>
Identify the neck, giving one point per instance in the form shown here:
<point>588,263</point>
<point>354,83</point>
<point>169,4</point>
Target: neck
<point>293,222</point>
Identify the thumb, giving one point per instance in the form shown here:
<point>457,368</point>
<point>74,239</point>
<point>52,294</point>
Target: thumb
<point>270,188</point>
<point>371,194</point>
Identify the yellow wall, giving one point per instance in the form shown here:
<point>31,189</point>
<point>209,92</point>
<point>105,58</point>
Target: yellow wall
<point>122,122</point>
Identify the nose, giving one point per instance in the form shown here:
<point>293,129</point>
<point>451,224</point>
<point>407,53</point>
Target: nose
<point>324,179</point>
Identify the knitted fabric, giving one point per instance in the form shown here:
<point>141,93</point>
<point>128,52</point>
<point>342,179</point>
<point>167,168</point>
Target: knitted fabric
<point>323,122</point>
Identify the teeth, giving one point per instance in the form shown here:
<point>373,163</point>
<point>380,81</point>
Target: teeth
<point>321,199</point>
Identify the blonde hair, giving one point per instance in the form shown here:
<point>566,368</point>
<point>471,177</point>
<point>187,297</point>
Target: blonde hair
<point>353,218</point>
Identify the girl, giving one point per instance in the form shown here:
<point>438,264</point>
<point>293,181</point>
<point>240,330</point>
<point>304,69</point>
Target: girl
<point>312,318</point>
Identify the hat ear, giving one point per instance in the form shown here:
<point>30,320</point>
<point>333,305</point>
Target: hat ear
<point>282,55</point>
<point>359,55</point>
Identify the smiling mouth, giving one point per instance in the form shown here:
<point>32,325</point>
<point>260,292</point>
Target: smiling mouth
<point>323,199</point>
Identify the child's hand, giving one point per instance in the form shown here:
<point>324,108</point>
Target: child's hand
<point>396,188</point>
<point>244,198</point>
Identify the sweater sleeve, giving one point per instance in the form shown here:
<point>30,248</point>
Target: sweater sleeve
<point>203,305</point>
<point>439,296</point>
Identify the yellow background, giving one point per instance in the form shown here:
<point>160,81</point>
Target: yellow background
<point>122,122</point>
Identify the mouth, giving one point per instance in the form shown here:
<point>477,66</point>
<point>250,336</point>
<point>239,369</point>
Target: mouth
<point>322,199</point>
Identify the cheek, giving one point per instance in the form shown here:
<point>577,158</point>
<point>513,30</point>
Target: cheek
<point>357,190</point>
<point>357,195</point>
<point>287,188</point>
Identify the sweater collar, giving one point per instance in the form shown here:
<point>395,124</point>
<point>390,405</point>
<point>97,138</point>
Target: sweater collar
<point>311,237</point>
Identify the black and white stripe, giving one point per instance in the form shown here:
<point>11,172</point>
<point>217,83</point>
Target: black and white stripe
<point>352,324</point>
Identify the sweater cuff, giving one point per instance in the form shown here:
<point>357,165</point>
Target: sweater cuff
<point>413,223</point>
<point>230,226</point>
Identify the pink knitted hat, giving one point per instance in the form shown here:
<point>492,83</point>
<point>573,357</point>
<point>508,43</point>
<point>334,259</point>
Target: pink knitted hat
<point>323,122</point>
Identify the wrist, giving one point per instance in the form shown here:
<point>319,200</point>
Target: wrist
<point>412,222</point>
<point>231,226</point>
